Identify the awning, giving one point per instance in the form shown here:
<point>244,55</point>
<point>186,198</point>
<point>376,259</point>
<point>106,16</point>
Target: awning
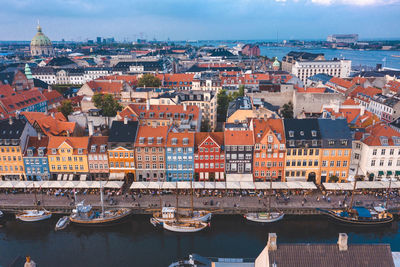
<point>233,185</point>
<point>8,184</point>
<point>247,185</point>
<point>35,184</point>
<point>380,173</point>
<point>113,184</point>
<point>22,184</point>
<point>198,185</point>
<point>70,184</point>
<point>338,186</point>
<point>209,185</point>
<point>183,185</point>
<point>139,185</point>
<point>389,173</point>
<point>220,185</point>
<point>397,173</point>
<point>169,185</point>
<point>117,176</point>
<point>82,184</point>
<point>155,185</point>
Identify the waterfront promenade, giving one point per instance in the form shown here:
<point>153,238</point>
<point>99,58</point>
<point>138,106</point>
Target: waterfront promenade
<point>294,204</point>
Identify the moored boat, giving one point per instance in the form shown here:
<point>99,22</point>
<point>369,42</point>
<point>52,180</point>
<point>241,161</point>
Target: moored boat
<point>168,214</point>
<point>62,223</point>
<point>33,215</point>
<point>360,215</point>
<point>85,215</point>
<point>264,217</point>
<point>185,227</point>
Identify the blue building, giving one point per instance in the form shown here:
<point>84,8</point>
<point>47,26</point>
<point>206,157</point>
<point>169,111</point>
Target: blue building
<point>179,156</point>
<point>35,159</point>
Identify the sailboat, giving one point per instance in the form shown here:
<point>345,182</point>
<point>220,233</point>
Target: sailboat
<point>187,226</point>
<point>168,214</point>
<point>265,217</point>
<point>359,214</point>
<point>34,215</point>
<point>84,214</point>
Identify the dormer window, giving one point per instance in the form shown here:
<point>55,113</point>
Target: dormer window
<point>291,142</point>
<point>384,140</point>
<point>314,142</point>
<point>302,133</point>
<point>141,140</point>
<point>174,141</point>
<point>159,140</point>
<point>313,133</point>
<point>291,133</point>
<point>185,141</point>
<point>343,142</point>
<point>41,152</point>
<point>80,151</point>
<point>53,151</point>
<point>30,152</point>
<point>270,138</point>
<point>150,140</point>
<point>396,140</point>
<point>331,142</point>
<point>103,148</point>
<point>93,148</point>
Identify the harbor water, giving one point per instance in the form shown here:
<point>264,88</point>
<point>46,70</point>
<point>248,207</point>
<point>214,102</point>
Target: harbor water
<point>137,243</point>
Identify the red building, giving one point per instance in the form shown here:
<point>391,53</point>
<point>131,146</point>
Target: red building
<point>251,50</point>
<point>269,149</point>
<point>209,156</point>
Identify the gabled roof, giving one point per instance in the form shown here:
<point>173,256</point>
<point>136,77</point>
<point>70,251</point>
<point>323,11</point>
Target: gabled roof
<point>97,141</point>
<point>121,132</point>
<point>302,129</point>
<point>261,127</point>
<point>106,87</point>
<point>57,125</point>
<point>334,129</point>
<point>34,142</point>
<point>20,100</point>
<point>74,142</point>
<point>218,138</point>
<point>237,138</point>
<point>12,130</point>
<point>341,82</point>
<point>52,95</point>
<point>378,134</point>
<point>134,111</point>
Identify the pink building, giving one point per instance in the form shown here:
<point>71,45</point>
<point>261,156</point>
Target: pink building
<point>97,157</point>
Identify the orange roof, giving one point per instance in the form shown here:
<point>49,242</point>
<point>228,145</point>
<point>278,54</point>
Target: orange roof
<point>262,127</point>
<point>179,138</point>
<point>369,91</point>
<point>149,131</point>
<point>98,141</point>
<point>359,80</point>
<point>6,90</point>
<point>57,125</point>
<point>341,82</point>
<point>244,138</point>
<point>393,86</point>
<point>130,79</point>
<point>218,137</point>
<point>74,142</point>
<point>106,87</point>
<point>175,77</point>
<point>133,111</point>
<point>349,102</point>
<point>379,133</point>
<point>21,100</point>
<point>52,96</point>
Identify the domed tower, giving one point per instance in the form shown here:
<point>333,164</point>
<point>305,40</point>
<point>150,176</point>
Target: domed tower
<point>276,65</point>
<point>41,44</point>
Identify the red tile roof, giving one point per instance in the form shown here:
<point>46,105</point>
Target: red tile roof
<point>74,142</point>
<point>106,87</point>
<point>133,111</point>
<point>33,141</point>
<point>262,127</point>
<point>218,137</point>
<point>341,82</point>
<point>244,138</point>
<point>179,137</point>
<point>132,80</point>
<point>393,86</point>
<point>98,141</point>
<point>378,131</point>
<point>57,125</point>
<point>311,90</point>
<point>150,131</point>
<point>53,96</point>
<point>20,100</point>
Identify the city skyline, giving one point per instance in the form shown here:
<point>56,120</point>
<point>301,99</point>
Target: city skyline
<point>208,20</point>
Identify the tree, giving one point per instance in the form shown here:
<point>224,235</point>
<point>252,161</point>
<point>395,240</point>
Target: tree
<point>333,179</point>
<point>148,80</point>
<point>222,105</point>
<point>107,103</point>
<point>241,90</point>
<point>66,108</point>
<point>287,111</point>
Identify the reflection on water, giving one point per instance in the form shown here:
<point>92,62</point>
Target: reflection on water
<point>137,243</point>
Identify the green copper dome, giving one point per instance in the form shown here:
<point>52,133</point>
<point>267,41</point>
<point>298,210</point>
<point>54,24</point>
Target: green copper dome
<point>40,39</point>
<point>276,63</point>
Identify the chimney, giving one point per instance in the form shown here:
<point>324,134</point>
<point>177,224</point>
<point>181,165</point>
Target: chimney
<point>184,107</point>
<point>68,133</point>
<point>90,128</point>
<point>272,238</point>
<point>10,120</point>
<point>125,120</point>
<point>342,242</point>
<point>52,115</point>
<point>49,89</point>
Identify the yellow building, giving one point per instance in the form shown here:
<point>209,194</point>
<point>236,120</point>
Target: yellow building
<point>68,155</point>
<point>302,164</point>
<point>13,137</point>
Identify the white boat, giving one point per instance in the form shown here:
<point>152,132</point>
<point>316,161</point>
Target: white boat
<point>62,223</point>
<point>33,215</point>
<point>185,227</point>
<point>264,217</point>
<point>168,214</point>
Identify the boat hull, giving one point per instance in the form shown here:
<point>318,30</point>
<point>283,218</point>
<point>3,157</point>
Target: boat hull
<point>276,216</point>
<point>181,228</point>
<point>101,221</point>
<point>62,223</point>
<point>356,221</point>
<point>29,218</point>
<point>205,216</point>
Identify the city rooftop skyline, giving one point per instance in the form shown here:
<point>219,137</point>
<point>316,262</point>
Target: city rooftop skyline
<point>79,20</point>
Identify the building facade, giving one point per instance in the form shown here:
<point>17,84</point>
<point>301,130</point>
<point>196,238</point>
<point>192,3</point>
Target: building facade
<point>98,157</point>
<point>180,156</point>
<point>35,159</point>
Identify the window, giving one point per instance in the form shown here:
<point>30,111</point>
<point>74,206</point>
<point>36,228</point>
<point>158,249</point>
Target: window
<point>381,162</point>
<point>383,151</point>
<point>332,163</point>
<point>374,152</point>
<point>338,163</point>
<point>345,163</point>
<point>391,151</point>
<point>373,162</point>
<point>324,163</point>
<point>390,162</point>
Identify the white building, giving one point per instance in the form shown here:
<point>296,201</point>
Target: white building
<point>337,68</point>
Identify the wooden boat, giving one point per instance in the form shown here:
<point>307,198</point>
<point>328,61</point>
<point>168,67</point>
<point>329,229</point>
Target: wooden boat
<point>395,55</point>
<point>264,217</point>
<point>62,223</point>
<point>33,215</point>
<point>360,215</point>
<point>185,227</point>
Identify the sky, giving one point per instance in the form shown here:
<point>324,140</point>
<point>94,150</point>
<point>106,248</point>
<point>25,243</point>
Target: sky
<point>80,20</point>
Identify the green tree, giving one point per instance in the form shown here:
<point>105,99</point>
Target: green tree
<point>333,179</point>
<point>107,103</point>
<point>222,105</point>
<point>149,80</point>
<point>241,90</point>
<point>287,111</point>
<point>66,108</point>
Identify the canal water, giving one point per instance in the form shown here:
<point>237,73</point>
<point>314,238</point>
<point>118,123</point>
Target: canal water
<point>137,243</point>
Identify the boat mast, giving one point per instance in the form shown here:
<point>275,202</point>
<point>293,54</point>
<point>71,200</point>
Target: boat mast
<point>101,199</point>
<point>388,193</point>
<point>270,193</point>
<point>191,197</point>
<point>177,206</point>
<point>36,201</point>
<point>354,188</point>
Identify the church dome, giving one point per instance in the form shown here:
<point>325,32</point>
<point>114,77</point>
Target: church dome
<point>40,39</point>
<point>276,63</point>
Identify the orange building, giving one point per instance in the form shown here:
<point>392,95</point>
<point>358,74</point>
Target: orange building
<point>269,149</point>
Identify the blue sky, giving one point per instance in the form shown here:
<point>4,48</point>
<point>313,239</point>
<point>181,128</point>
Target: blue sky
<point>199,19</point>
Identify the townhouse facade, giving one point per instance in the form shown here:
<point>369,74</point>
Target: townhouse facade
<point>98,157</point>
<point>209,156</point>
<point>150,149</point>
<point>35,158</point>
<point>180,156</point>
